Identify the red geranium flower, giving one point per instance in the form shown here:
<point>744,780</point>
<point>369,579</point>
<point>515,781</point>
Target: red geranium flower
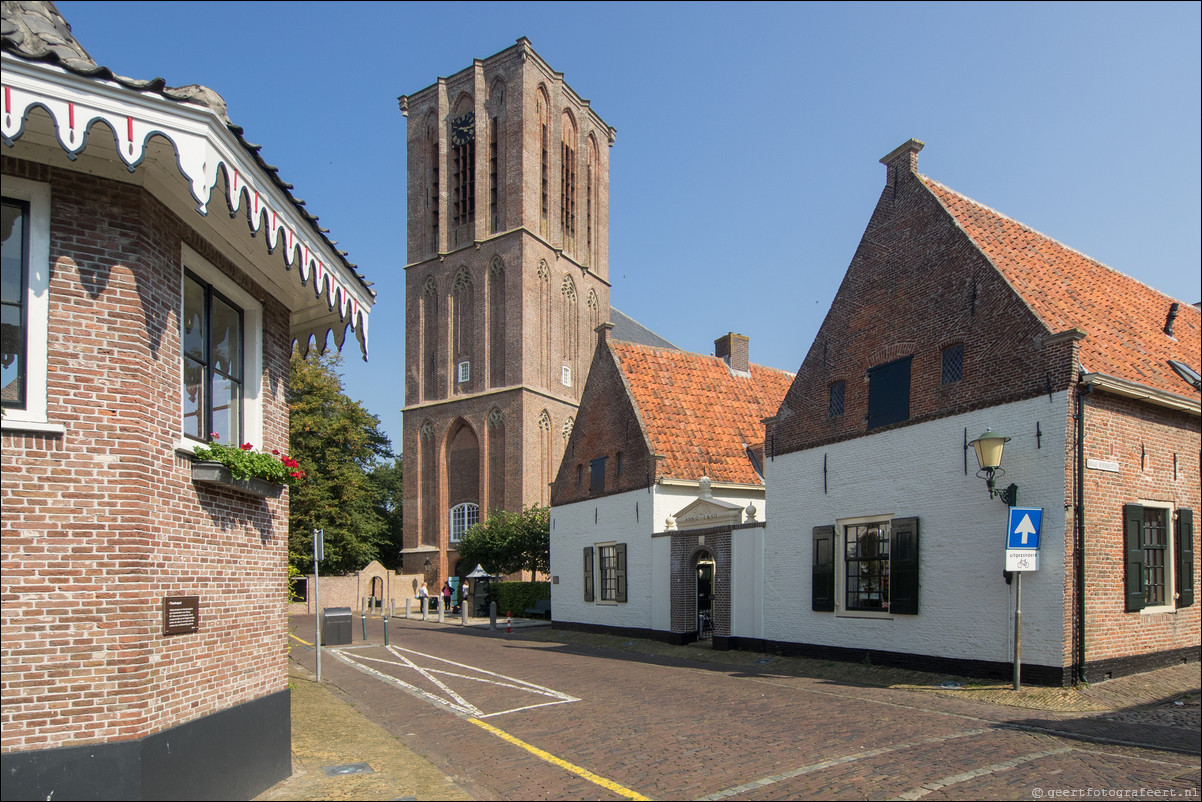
<point>246,446</point>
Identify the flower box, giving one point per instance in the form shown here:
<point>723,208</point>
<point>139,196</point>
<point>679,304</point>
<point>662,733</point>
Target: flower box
<point>214,473</point>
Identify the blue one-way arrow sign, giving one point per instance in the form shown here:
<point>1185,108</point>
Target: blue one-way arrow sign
<point>1025,526</point>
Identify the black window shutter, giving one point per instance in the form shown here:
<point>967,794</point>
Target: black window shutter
<point>588,573</point>
<point>1185,557</point>
<point>903,566</point>
<point>823,590</point>
<point>1133,544</point>
<point>620,574</point>
<point>889,393</point>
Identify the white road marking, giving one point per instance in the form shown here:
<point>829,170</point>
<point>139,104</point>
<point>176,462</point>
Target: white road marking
<point>449,700</point>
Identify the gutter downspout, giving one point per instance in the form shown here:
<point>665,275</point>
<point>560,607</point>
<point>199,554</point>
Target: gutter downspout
<point>1079,552</point>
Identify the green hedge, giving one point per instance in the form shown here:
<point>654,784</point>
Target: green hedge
<point>517,597</point>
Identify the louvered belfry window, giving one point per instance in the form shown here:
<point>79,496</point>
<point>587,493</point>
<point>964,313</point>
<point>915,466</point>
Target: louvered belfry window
<point>464,182</point>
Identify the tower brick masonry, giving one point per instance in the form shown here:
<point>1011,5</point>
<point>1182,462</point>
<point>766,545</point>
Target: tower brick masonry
<point>506,281</point>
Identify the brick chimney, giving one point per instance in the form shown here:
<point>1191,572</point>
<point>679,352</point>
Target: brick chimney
<point>603,332</point>
<point>734,349</point>
<point>901,161</point>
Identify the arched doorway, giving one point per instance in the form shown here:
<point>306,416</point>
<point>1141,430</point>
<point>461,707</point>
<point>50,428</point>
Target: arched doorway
<point>376,601</point>
<point>705,596</point>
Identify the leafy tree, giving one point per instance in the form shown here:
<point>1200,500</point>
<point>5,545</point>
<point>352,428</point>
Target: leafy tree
<point>390,495</point>
<point>510,542</point>
<point>337,442</point>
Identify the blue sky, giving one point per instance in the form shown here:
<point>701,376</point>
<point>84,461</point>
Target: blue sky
<point>746,161</point>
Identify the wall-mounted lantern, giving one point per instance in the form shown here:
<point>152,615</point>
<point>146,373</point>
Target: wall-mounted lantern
<point>989,457</point>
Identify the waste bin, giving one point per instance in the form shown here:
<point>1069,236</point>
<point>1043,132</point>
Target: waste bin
<point>336,626</point>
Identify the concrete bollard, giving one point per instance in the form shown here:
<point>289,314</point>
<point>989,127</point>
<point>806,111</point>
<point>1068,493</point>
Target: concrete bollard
<point>407,603</point>
<point>463,613</point>
<point>425,608</point>
<point>492,615</point>
<point>441,613</point>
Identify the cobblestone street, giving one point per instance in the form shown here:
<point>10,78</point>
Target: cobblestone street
<point>453,712</point>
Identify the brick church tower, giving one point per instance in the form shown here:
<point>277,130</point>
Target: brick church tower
<point>506,280</point>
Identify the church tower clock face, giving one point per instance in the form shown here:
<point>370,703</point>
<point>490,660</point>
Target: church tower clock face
<point>506,283</point>
<point>463,129</point>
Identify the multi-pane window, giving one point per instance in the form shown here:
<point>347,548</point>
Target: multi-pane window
<point>952,364</point>
<point>1159,557</point>
<point>1156,546</point>
<point>611,559</point>
<point>213,363</point>
<point>463,517</point>
<point>609,572</point>
<point>866,557</point>
<point>14,321</point>
<point>834,407</point>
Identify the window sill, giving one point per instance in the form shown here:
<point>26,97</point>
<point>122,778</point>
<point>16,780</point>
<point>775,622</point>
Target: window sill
<point>1160,609</point>
<point>9,424</point>
<point>883,616</point>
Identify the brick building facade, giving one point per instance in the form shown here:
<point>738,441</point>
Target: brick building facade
<point>106,259</point>
<point>657,509</point>
<point>507,278</point>
<point>951,320</point>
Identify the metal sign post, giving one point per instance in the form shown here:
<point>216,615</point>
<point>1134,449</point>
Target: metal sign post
<point>1022,554</point>
<point>319,551</point>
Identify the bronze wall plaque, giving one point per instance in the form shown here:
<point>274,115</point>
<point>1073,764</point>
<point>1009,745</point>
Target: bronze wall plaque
<point>181,614</point>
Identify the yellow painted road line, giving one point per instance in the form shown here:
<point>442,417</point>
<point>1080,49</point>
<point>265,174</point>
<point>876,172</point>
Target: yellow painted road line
<point>299,639</point>
<point>563,764</point>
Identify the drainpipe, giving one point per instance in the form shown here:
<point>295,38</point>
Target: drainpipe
<point>1079,552</point>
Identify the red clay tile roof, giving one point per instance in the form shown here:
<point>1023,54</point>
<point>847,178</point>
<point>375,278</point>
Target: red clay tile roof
<point>697,414</point>
<point>1123,318</point>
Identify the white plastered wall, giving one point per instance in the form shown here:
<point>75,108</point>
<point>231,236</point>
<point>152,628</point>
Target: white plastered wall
<point>966,609</point>
<point>628,518</point>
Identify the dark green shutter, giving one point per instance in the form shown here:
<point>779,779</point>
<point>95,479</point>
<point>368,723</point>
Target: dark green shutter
<point>823,590</point>
<point>588,573</point>
<point>620,574</point>
<point>1185,557</point>
<point>903,566</point>
<point>1133,545</point>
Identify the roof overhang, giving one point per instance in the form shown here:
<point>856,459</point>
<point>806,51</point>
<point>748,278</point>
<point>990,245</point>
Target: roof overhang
<point>1123,387</point>
<point>321,290</point>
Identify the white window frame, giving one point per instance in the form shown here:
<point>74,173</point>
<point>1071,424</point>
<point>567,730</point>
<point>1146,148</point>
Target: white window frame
<point>1170,558</point>
<point>566,376</point>
<point>841,525</point>
<point>252,344</point>
<point>464,371</point>
<point>33,418</point>
<point>599,590</point>
<point>466,510</point>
